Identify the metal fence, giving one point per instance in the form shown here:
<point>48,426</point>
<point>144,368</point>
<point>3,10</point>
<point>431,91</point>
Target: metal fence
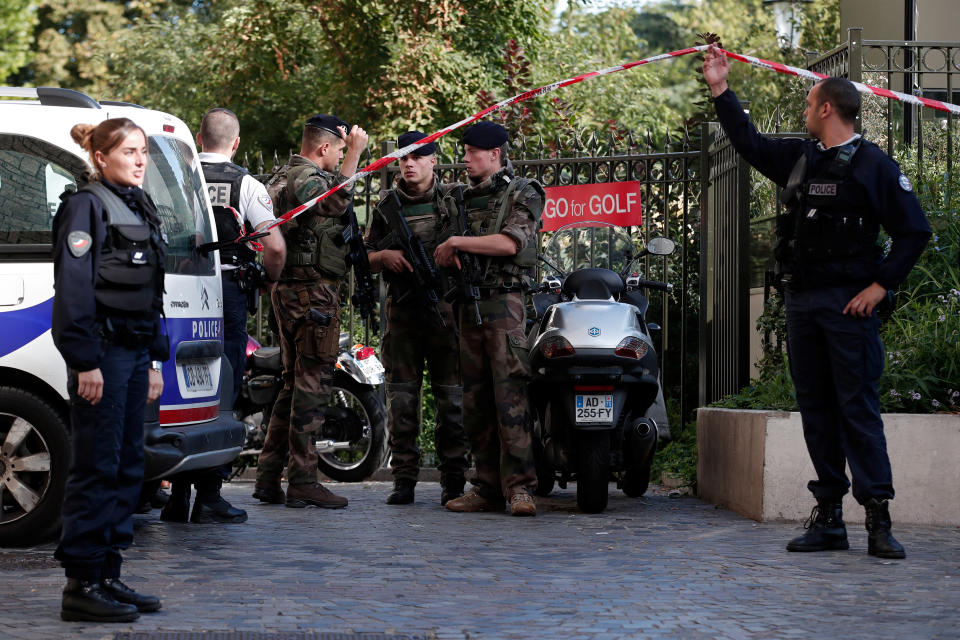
<point>670,185</point>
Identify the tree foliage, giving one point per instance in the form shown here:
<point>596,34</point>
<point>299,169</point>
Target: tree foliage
<point>17,18</point>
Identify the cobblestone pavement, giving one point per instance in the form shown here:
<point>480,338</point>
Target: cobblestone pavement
<point>654,567</point>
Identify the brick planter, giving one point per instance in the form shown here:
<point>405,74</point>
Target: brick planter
<point>756,463</point>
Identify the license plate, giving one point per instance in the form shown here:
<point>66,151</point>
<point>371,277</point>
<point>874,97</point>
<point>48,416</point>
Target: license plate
<point>370,366</point>
<point>594,408</point>
<point>196,376</point>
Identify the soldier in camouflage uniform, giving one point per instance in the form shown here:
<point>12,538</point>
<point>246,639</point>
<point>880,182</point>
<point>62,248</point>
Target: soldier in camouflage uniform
<point>414,332</point>
<point>310,281</point>
<point>503,213</point>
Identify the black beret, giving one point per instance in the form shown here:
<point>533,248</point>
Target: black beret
<point>413,136</point>
<point>327,123</point>
<point>486,135</point>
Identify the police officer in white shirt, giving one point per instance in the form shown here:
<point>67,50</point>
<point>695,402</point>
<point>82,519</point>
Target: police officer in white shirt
<point>240,206</point>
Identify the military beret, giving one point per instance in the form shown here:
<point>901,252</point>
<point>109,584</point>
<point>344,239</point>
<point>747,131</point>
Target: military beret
<point>486,135</point>
<point>327,123</point>
<point>413,136</point>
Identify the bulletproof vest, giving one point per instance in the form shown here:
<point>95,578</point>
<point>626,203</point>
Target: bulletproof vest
<point>223,187</point>
<point>312,240</point>
<point>130,274</point>
<point>423,218</point>
<point>486,214</point>
<point>828,233</point>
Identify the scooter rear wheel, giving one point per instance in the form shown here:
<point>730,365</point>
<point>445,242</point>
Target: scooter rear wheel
<point>593,470</point>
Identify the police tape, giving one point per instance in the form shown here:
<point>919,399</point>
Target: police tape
<point>535,93</point>
<point>862,88</point>
<point>521,97</point>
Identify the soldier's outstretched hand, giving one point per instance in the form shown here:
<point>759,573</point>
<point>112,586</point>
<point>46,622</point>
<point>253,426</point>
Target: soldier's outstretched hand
<point>356,139</point>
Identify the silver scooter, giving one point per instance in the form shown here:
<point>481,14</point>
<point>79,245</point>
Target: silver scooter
<point>595,369</point>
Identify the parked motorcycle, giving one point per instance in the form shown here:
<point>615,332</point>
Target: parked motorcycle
<point>595,370</point>
<point>352,443</point>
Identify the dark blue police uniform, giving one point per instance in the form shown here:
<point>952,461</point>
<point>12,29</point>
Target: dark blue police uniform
<point>846,195</point>
<point>108,275</point>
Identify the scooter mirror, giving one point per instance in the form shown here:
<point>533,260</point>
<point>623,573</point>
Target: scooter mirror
<point>661,246</point>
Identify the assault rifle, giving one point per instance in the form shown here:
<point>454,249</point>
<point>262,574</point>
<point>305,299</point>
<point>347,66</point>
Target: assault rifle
<point>470,270</point>
<point>426,280</point>
<point>364,292</point>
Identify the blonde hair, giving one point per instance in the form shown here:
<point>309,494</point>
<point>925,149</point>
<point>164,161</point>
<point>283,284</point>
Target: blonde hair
<point>104,137</point>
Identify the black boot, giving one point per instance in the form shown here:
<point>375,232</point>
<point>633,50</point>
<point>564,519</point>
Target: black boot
<point>402,492</point>
<point>123,593</point>
<point>210,511</point>
<point>451,489</point>
<point>177,508</point>
<point>825,529</point>
<point>880,542</point>
<point>88,600</point>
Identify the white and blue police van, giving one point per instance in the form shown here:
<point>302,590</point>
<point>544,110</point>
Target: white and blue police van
<point>188,428</point>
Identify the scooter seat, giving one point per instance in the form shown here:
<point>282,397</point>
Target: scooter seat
<point>593,284</point>
<point>267,359</point>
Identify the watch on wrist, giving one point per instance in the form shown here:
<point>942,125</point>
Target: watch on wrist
<point>156,365</point>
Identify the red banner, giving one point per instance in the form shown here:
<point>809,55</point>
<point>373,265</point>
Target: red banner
<point>616,203</point>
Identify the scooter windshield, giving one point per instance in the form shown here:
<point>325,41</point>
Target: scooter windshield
<point>577,246</point>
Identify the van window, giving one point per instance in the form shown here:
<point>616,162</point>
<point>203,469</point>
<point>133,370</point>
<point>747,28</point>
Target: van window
<point>176,187</point>
<point>33,174</point>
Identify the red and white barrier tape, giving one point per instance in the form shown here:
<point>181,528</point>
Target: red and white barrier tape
<point>862,88</point>
<point>534,93</point>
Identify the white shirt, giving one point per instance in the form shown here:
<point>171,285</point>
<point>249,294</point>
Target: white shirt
<point>255,204</point>
<point>823,148</point>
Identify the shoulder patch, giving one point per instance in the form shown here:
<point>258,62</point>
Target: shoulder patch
<point>265,200</point>
<point>905,183</point>
<point>79,242</point>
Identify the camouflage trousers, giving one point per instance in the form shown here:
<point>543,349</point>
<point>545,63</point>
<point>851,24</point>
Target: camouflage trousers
<point>496,411</point>
<point>309,352</point>
<point>414,335</point>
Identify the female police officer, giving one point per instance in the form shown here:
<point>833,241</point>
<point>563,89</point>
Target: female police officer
<point>108,274</point>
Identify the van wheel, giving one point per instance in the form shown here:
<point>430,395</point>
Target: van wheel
<point>368,446</point>
<point>34,461</point>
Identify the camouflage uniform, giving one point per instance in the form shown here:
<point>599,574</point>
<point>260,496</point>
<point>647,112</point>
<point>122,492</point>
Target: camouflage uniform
<point>493,357</point>
<point>414,333</point>
<point>310,280</point>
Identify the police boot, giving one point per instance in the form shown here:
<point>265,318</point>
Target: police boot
<point>402,491</point>
<point>826,530</point>
<point>126,595</point>
<point>217,509</point>
<point>880,542</point>
<point>177,508</point>
<point>88,600</point>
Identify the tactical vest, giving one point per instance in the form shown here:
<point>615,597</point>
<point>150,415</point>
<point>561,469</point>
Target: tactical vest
<point>224,180</point>
<point>130,274</point>
<point>485,217</point>
<point>828,233</point>
<point>312,240</point>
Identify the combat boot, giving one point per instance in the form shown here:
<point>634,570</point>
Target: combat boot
<point>177,508</point>
<point>269,491</point>
<point>89,601</point>
<point>207,511</point>
<point>472,501</point>
<point>522,504</point>
<point>402,491</point>
<point>826,530</point>
<point>315,494</point>
<point>451,489</point>
<point>123,593</point>
<point>880,542</point>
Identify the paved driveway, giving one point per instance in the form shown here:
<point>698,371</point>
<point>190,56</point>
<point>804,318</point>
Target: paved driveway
<point>656,567</point>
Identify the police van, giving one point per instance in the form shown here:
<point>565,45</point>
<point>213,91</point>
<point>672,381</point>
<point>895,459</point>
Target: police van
<point>187,428</point>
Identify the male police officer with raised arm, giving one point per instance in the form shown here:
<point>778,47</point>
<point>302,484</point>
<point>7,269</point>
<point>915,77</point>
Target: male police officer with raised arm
<point>840,190</point>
